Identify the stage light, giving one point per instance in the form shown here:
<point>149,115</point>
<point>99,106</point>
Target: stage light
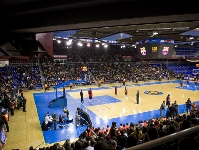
<point>123,46</point>
<point>69,42</point>
<point>134,45</point>
<point>105,45</point>
<point>88,44</point>
<point>79,44</point>
<point>191,38</point>
<point>58,41</point>
<point>155,33</point>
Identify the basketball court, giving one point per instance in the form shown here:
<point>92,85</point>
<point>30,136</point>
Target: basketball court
<point>105,107</point>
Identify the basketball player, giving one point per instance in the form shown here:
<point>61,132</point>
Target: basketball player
<point>90,94</point>
<point>181,84</point>
<point>81,95</point>
<point>168,76</point>
<point>196,82</point>
<point>138,96</point>
<point>187,81</point>
<point>116,90</point>
<point>124,81</point>
<point>168,101</point>
<point>125,92</point>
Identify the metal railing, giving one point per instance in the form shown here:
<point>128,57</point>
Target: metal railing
<point>165,139</point>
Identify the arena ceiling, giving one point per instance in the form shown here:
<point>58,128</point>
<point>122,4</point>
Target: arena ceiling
<point>97,19</point>
<point>172,30</point>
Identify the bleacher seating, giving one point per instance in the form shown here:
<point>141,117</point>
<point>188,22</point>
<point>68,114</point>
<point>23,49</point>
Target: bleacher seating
<point>186,52</point>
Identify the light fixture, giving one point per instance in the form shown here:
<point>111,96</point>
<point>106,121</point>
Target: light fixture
<point>79,44</point>
<point>105,45</point>
<point>155,33</point>
<point>88,44</point>
<point>69,42</point>
<point>97,45</point>
<point>176,45</point>
<point>123,46</point>
<point>191,38</point>
<point>58,41</point>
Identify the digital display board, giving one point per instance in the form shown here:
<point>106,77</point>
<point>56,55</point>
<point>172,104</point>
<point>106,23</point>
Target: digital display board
<point>165,50</point>
<point>154,50</point>
<point>143,51</point>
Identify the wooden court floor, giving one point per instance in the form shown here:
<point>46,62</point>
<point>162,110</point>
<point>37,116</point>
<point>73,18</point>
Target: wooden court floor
<point>25,130</point>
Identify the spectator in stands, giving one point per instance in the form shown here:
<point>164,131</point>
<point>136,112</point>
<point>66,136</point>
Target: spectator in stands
<point>152,134</point>
<point>99,145</point>
<point>113,130</point>
<point>122,139</point>
<point>45,87</point>
<point>137,133</point>
<point>131,141</point>
<point>187,143</point>
<point>113,143</point>
<point>194,106</point>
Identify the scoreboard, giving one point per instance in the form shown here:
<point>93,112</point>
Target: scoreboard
<point>155,48</point>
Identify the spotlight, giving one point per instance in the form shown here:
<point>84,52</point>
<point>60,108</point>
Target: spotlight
<point>58,41</point>
<point>68,42</point>
<point>155,33</point>
<point>79,44</point>
<point>97,45</point>
<point>191,38</point>
<point>105,45</point>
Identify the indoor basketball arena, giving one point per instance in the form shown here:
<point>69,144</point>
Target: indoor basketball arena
<point>95,75</point>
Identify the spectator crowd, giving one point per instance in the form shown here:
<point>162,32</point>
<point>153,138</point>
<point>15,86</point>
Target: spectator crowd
<point>108,67</point>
